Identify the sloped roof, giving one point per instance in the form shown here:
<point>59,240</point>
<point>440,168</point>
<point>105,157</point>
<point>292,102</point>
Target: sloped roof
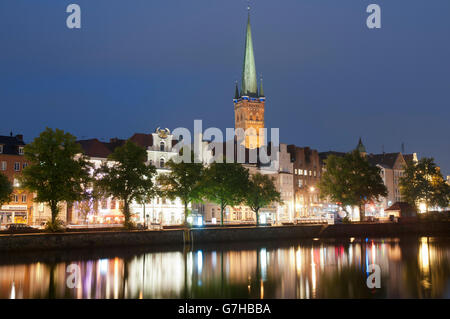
<point>386,159</point>
<point>400,206</point>
<point>11,143</point>
<point>95,148</point>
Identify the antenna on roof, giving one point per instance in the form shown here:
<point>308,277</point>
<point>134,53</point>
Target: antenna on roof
<point>403,148</point>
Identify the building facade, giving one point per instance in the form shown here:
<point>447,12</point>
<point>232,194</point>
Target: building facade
<point>12,163</point>
<point>307,172</point>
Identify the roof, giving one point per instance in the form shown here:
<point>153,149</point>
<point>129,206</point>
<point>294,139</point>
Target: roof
<point>409,158</point>
<point>249,82</point>
<point>11,144</point>
<point>95,148</point>
<point>386,160</point>
<point>360,147</point>
<point>400,206</point>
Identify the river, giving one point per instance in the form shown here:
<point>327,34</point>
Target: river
<point>411,267</point>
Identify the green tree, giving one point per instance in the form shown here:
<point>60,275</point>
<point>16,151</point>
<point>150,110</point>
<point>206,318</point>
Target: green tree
<point>260,193</point>
<point>423,182</point>
<point>225,184</point>
<point>184,181</point>
<point>6,189</point>
<point>57,172</point>
<point>351,181</point>
<point>126,176</point>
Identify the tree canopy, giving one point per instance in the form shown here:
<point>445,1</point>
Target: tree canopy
<point>126,176</point>
<point>57,172</point>
<point>423,183</point>
<point>183,181</point>
<point>260,193</point>
<point>351,181</point>
<point>6,189</point>
<point>225,184</point>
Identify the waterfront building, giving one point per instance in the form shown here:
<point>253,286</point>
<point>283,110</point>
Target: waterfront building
<point>392,166</point>
<point>159,210</point>
<point>12,162</point>
<point>307,173</point>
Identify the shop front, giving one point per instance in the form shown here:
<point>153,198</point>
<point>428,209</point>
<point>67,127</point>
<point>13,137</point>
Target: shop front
<point>13,214</point>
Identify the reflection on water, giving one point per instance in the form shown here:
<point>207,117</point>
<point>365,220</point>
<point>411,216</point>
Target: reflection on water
<point>410,268</point>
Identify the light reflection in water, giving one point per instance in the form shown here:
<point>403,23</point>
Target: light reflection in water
<point>410,269</point>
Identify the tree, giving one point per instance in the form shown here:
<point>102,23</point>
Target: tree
<point>184,181</point>
<point>424,183</point>
<point>225,184</point>
<point>126,176</point>
<point>57,172</point>
<point>351,181</point>
<point>6,189</point>
<point>261,192</point>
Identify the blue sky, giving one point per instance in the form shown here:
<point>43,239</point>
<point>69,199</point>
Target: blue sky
<point>136,65</point>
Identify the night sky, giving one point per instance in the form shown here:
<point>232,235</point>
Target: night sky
<point>136,65</point>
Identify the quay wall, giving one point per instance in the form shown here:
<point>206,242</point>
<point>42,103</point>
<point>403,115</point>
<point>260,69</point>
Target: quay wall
<point>178,237</point>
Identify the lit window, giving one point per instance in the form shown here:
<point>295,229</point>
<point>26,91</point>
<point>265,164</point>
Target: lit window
<point>24,198</point>
<point>3,166</point>
<point>21,150</point>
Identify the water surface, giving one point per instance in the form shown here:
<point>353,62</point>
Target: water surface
<point>410,268</point>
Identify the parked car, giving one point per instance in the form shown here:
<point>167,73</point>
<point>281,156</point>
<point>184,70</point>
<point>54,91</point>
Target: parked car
<point>18,227</point>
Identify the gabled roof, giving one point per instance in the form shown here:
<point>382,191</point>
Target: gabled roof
<point>95,148</point>
<point>11,144</point>
<point>386,160</point>
<point>400,206</point>
<point>142,139</point>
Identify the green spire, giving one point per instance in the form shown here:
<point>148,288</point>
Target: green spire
<point>361,148</point>
<point>249,83</point>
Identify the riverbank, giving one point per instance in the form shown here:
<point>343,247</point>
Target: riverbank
<point>178,237</point>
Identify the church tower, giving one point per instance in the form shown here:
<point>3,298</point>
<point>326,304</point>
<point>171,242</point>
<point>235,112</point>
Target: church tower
<point>248,102</point>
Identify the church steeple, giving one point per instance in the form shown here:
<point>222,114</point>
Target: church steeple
<point>249,83</point>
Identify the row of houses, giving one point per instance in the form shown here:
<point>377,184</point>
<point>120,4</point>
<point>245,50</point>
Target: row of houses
<point>295,170</point>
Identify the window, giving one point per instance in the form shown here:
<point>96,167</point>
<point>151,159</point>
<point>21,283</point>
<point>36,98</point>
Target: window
<point>300,183</point>
<point>3,166</point>
<point>151,162</point>
<point>24,165</point>
<point>20,150</point>
<point>296,171</point>
<point>16,182</point>
<point>104,204</point>
<point>1,149</point>
<point>24,198</point>
<point>161,146</point>
<point>16,198</point>
<point>315,173</point>
<point>161,162</point>
<point>17,166</point>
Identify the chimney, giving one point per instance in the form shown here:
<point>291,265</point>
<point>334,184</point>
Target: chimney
<point>19,137</point>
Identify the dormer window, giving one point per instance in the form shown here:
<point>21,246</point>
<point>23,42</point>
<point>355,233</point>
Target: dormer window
<point>161,146</point>
<point>1,149</point>
<point>20,150</point>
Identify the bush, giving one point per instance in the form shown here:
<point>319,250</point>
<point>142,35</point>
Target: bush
<point>57,226</point>
<point>346,220</point>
